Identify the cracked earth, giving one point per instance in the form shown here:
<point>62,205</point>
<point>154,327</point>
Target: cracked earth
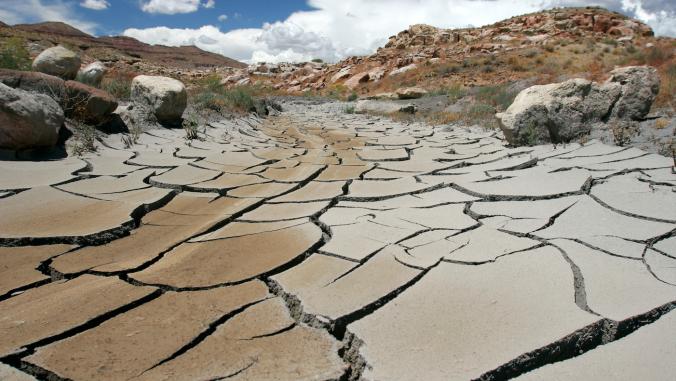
<point>319,245</point>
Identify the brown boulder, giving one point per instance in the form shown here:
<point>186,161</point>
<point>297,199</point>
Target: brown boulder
<point>356,79</point>
<point>78,100</point>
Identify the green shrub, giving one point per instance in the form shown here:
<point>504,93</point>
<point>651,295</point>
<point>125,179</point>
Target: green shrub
<point>84,137</point>
<point>349,109</point>
<point>352,97</point>
<point>497,96</point>
<point>117,87</point>
<point>14,55</point>
<point>318,60</point>
<point>211,95</point>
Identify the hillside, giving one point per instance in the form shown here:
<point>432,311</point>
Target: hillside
<point>542,47</point>
<point>122,51</point>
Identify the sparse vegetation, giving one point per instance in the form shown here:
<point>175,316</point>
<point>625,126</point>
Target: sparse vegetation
<point>84,138</point>
<point>118,84</point>
<point>349,109</point>
<point>13,55</point>
<point>210,95</point>
<point>352,97</point>
<point>191,128</point>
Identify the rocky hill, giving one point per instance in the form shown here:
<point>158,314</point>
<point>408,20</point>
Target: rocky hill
<point>124,53</point>
<point>546,45</point>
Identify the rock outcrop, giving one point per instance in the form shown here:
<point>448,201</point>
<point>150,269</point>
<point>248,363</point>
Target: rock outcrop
<point>167,97</point>
<point>28,120</point>
<point>640,85</point>
<point>383,107</point>
<point>58,61</point>
<point>410,93</point>
<point>562,112</point>
<point>92,74</point>
<point>78,100</point>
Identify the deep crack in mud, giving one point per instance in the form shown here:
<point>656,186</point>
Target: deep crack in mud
<point>323,245</point>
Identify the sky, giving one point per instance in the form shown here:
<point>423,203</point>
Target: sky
<point>296,30</point>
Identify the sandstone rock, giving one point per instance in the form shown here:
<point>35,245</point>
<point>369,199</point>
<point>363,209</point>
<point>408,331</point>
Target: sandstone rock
<point>92,74</point>
<point>166,96</point>
<point>88,103</point>
<point>640,85</point>
<point>78,100</point>
<point>403,69</point>
<point>383,107</point>
<point>561,112</point>
<point>343,73</point>
<point>58,61</point>
<point>411,93</point>
<point>28,120</point>
<point>356,80</point>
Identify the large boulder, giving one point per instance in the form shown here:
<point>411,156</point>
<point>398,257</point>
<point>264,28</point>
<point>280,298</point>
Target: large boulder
<point>28,120</point>
<point>78,100</point>
<point>167,97</point>
<point>57,61</point>
<point>92,74</point>
<point>562,112</point>
<point>356,80</point>
<point>640,85</point>
<point>383,107</point>
<point>87,103</point>
<point>410,93</point>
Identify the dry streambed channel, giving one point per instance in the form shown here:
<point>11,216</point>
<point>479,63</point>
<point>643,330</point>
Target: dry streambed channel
<point>320,245</point>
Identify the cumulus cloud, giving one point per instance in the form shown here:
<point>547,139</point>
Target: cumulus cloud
<point>333,29</point>
<point>171,7</point>
<point>97,5</point>
<point>32,11</point>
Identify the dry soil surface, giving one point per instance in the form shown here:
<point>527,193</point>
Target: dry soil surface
<point>320,245</point>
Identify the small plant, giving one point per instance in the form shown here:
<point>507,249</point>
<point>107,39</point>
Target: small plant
<point>317,60</point>
<point>529,136</point>
<point>14,55</point>
<point>117,87</point>
<point>84,138</point>
<point>191,128</point>
<point>349,109</point>
<point>352,97</point>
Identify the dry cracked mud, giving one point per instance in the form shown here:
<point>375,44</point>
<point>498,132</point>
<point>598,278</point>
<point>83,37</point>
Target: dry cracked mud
<point>320,245</point>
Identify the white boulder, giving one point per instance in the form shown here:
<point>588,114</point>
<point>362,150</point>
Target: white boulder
<point>58,61</point>
<point>167,97</point>
<point>28,120</point>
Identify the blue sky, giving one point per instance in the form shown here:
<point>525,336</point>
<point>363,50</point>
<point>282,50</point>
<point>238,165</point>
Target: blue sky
<point>296,30</point>
<point>123,14</point>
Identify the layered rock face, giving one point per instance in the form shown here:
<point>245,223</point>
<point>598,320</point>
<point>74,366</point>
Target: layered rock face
<point>58,61</point>
<point>28,120</point>
<point>562,112</point>
<point>167,97</point>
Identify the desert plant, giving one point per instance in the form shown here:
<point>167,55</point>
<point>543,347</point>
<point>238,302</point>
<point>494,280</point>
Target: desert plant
<point>349,109</point>
<point>84,138</point>
<point>118,87</point>
<point>14,55</point>
<point>210,95</point>
<point>191,128</point>
<point>352,97</point>
<point>528,137</point>
<point>317,60</point>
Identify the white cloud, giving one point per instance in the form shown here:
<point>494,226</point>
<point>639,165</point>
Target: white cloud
<point>337,29</point>
<point>223,18</point>
<point>32,11</point>
<point>171,7</point>
<point>97,5</point>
